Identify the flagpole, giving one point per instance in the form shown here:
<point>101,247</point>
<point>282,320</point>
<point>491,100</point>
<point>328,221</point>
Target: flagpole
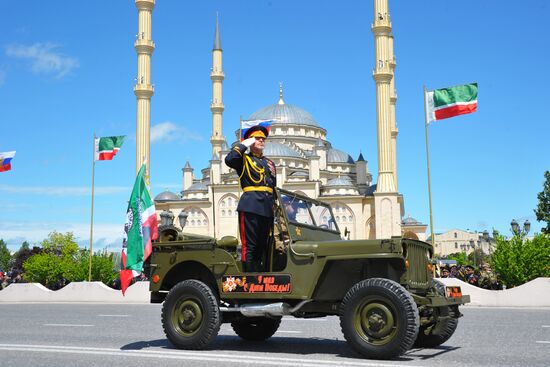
<point>238,183</point>
<point>428,162</point>
<point>92,214</point>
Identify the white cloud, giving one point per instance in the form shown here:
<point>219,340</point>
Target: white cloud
<point>105,234</point>
<point>44,58</point>
<point>168,131</point>
<point>65,191</point>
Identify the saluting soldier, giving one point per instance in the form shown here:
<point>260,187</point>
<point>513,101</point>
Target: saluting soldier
<point>258,179</point>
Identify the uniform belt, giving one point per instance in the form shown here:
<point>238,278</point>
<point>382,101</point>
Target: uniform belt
<point>258,188</point>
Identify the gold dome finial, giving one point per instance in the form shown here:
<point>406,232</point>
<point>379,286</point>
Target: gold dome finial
<point>281,93</point>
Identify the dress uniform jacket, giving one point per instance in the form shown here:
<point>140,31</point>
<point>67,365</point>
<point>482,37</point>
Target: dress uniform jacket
<point>258,179</point>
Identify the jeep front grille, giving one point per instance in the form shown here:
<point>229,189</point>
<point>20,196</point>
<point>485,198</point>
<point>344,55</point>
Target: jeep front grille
<point>417,254</point>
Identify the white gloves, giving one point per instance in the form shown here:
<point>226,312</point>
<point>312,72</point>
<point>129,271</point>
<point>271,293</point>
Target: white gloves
<point>248,142</point>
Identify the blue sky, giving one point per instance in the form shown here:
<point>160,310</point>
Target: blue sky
<point>67,70</point>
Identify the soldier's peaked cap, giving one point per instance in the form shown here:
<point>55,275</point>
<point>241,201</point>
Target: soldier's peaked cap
<point>258,130</point>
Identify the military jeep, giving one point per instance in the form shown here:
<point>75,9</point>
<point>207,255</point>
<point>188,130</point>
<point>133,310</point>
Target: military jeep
<point>382,290</point>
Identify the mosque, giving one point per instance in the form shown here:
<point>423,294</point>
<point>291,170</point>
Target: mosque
<point>306,160</point>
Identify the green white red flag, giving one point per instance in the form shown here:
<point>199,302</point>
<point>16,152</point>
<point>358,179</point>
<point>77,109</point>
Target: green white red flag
<point>106,148</point>
<point>141,229</point>
<point>450,102</point>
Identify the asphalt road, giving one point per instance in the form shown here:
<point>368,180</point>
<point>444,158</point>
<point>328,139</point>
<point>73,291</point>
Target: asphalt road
<point>131,335</point>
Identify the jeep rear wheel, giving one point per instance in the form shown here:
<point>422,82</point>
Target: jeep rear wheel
<point>430,336</point>
<point>379,318</point>
<point>256,328</point>
<point>190,315</point>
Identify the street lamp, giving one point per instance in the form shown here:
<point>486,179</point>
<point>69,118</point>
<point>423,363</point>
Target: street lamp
<point>182,218</point>
<point>516,230</point>
<point>166,218</point>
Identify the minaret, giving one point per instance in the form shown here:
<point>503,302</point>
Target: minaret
<point>393,100</point>
<point>217,107</point>
<point>143,89</point>
<point>387,205</point>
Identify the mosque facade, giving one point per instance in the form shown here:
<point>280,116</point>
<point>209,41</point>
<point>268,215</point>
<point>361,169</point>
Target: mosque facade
<point>307,163</point>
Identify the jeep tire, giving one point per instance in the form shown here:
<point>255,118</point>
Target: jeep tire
<point>379,318</point>
<point>190,315</point>
<point>443,329</point>
<point>256,328</point>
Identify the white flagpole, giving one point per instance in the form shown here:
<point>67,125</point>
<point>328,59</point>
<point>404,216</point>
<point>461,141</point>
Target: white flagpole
<point>92,215</point>
<point>428,162</point>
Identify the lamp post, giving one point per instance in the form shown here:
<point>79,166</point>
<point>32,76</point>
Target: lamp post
<point>517,231</point>
<point>487,239</point>
<point>182,218</point>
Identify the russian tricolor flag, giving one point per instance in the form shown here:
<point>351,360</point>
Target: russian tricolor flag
<point>247,124</point>
<point>5,160</point>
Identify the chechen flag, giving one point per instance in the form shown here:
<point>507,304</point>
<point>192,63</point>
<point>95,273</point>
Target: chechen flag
<point>141,229</point>
<point>450,102</point>
<point>106,148</point>
<point>247,124</point>
<point>5,160</point>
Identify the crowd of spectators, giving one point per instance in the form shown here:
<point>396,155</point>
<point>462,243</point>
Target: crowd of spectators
<point>484,277</point>
<point>8,277</point>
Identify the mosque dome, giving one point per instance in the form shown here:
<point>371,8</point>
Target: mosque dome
<point>167,196</point>
<point>340,181</point>
<point>198,186</point>
<point>410,221</point>
<point>338,156</point>
<point>274,149</point>
<point>282,113</point>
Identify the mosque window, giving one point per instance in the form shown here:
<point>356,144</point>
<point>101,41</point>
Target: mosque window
<point>223,213</point>
<point>204,222</point>
<point>456,245</point>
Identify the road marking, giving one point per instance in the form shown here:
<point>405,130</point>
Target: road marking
<point>74,325</point>
<point>113,315</point>
<point>289,331</point>
<point>242,358</point>
<point>543,341</point>
<point>545,325</point>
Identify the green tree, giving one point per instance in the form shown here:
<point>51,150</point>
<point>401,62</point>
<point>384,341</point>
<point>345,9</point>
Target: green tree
<point>460,258</point>
<point>543,208</point>
<point>5,255</point>
<point>519,260</point>
<point>62,261</point>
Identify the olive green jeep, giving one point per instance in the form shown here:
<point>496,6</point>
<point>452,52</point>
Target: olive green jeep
<point>382,290</point>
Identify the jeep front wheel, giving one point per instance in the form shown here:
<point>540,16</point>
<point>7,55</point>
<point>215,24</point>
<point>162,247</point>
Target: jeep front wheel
<point>256,328</point>
<point>379,318</point>
<point>190,315</point>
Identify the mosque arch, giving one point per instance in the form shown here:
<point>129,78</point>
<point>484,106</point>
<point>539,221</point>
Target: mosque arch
<point>370,228</point>
<point>196,218</point>
<point>227,206</point>
<point>345,218</point>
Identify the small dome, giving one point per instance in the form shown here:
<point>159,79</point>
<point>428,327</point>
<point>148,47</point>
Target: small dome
<point>284,114</point>
<point>410,221</point>
<point>338,156</point>
<point>198,186</point>
<point>167,196</point>
<point>340,181</point>
<point>274,149</point>
<point>299,174</point>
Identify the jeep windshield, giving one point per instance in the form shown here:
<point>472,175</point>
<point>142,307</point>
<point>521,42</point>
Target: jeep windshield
<point>304,211</point>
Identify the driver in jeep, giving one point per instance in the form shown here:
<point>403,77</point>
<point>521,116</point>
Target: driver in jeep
<point>258,178</point>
